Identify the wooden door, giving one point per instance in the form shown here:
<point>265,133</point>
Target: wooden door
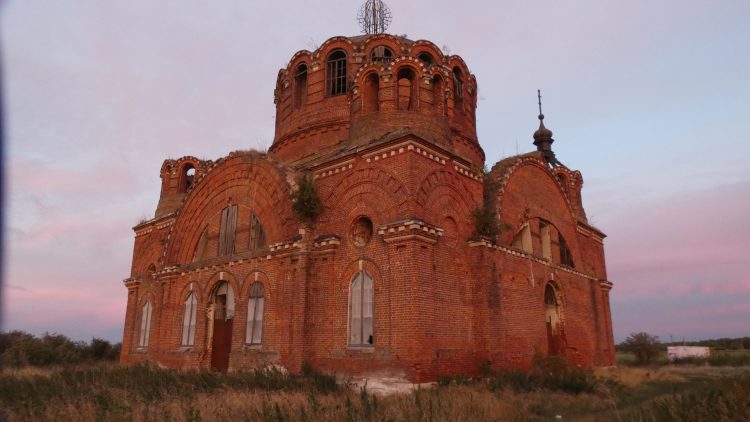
<point>221,345</point>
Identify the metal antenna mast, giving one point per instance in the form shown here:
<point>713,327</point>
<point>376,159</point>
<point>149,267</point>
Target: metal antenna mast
<point>374,17</point>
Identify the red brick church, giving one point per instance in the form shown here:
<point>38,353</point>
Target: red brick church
<point>415,263</point>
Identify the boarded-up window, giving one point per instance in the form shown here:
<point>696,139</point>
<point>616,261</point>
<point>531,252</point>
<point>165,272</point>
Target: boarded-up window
<point>254,330</point>
<point>407,89</point>
<point>522,240</point>
<point>544,233</point>
<point>437,95</point>
<point>336,73</point>
<point>227,230</point>
<point>188,320</point>
<point>200,248</point>
<point>361,310</point>
<point>257,235</point>
<point>145,324</point>
<point>370,93</point>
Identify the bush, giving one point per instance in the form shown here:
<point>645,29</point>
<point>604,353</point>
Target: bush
<point>305,201</point>
<point>644,346</point>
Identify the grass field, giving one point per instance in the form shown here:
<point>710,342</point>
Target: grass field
<point>108,392</point>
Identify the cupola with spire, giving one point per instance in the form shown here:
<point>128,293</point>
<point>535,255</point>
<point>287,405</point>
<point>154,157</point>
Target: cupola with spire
<point>543,137</point>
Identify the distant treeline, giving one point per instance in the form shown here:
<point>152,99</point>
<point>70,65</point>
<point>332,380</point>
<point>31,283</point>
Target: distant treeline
<point>738,343</point>
<point>18,348</point>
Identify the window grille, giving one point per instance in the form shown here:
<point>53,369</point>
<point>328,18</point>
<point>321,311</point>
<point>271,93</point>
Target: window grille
<point>361,310</point>
<point>255,305</point>
<point>257,235</point>
<point>336,73</point>
<point>566,258</point>
<point>188,320</point>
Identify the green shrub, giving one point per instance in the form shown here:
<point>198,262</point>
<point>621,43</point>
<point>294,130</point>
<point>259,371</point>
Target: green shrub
<point>305,201</point>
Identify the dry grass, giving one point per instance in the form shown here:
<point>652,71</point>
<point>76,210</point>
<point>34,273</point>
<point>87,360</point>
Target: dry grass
<point>149,394</point>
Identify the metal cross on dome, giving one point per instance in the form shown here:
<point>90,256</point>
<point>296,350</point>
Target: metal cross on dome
<point>374,17</point>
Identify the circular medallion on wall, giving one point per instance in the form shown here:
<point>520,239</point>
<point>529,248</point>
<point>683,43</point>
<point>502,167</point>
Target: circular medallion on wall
<point>361,231</point>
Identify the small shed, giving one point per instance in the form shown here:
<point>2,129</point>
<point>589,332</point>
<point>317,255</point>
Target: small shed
<point>682,352</point>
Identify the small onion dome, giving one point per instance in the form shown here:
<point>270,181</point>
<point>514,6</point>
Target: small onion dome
<point>542,134</point>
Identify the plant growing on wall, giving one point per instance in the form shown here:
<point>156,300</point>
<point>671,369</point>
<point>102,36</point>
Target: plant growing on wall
<point>485,216</point>
<point>305,200</point>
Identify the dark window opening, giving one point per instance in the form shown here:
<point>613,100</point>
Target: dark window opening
<point>426,58</point>
<point>336,73</point>
<point>458,90</point>
<point>566,258</point>
<point>187,177</point>
<point>300,86</point>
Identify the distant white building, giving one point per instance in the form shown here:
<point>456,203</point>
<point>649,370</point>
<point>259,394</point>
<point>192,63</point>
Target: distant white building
<point>681,352</point>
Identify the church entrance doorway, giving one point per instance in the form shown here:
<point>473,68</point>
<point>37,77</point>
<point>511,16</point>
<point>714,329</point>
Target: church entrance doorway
<point>221,317</point>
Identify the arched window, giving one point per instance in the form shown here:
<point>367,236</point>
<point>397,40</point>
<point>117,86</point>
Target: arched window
<point>188,320</point>
<point>407,89</point>
<point>370,92</point>
<point>257,235</point>
<point>336,73</point>
<point>458,90</point>
<point>381,55</point>
<point>426,58</point>
<point>300,86</point>
<point>145,324</point>
<point>360,310</point>
<point>187,177</point>
<point>254,330</point>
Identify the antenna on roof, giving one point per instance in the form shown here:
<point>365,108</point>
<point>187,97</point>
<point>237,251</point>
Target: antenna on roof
<point>374,17</point>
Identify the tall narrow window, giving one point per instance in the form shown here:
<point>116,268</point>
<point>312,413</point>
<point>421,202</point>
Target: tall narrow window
<point>360,310</point>
<point>188,320</point>
<point>437,95</point>
<point>566,258</point>
<point>458,90</point>
<point>200,248</point>
<point>336,73</point>
<point>300,86</point>
<point>145,324</point>
<point>544,233</point>
<point>257,235</point>
<point>254,330</point>
<point>227,230</point>
<point>187,177</point>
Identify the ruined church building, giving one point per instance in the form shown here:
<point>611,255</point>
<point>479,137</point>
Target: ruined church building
<point>416,264</point>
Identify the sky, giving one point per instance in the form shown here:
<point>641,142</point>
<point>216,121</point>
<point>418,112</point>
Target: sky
<point>648,99</point>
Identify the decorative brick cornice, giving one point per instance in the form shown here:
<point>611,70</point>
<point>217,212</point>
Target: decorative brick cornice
<point>521,254</point>
<point>402,147</point>
<point>334,169</point>
<point>466,171</point>
<point>147,227</point>
<point>591,232</point>
<point>606,285</point>
<point>411,229</point>
<point>326,243</point>
<point>132,282</point>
